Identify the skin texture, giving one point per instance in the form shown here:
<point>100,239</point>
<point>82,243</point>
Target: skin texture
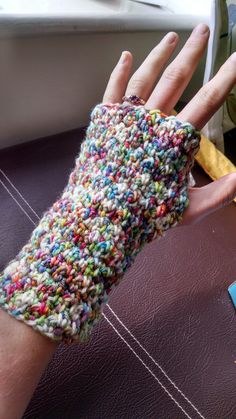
<point>24,353</point>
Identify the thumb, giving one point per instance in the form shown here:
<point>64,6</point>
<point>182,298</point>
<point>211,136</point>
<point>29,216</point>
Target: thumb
<point>209,198</point>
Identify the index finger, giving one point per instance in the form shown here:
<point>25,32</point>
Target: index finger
<point>211,96</point>
<point>117,83</point>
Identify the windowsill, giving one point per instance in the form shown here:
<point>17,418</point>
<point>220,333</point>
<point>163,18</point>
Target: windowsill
<point>18,25</point>
<point>55,69</point>
<point>93,16</point>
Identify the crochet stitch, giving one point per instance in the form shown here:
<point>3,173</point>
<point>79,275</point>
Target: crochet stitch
<point>129,185</point>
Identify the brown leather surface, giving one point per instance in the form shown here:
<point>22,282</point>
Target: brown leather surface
<point>174,301</point>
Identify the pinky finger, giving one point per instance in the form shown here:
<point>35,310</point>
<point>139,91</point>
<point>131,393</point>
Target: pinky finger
<point>211,96</point>
<point>117,83</point>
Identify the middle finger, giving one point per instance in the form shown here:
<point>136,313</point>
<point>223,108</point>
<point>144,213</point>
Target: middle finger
<point>178,74</point>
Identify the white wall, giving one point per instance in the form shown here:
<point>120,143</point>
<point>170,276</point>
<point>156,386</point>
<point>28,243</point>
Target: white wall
<point>53,71</point>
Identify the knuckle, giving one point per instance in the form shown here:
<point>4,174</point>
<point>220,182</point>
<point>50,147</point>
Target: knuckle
<point>158,53</point>
<point>135,84</point>
<point>230,188</point>
<point>118,72</point>
<point>175,75</point>
<point>194,44</point>
<point>116,76</point>
<point>113,78</point>
<point>209,96</point>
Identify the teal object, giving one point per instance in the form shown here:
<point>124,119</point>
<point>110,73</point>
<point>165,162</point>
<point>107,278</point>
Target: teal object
<point>232,293</point>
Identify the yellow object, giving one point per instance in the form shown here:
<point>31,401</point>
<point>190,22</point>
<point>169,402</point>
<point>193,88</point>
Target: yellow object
<point>213,162</point>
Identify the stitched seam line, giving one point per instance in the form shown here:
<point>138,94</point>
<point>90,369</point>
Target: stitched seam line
<point>118,319</point>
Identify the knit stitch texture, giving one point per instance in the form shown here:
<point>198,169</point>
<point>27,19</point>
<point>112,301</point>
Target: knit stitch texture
<point>129,185</point>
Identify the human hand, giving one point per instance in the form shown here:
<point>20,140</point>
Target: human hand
<point>80,249</point>
<point>129,185</point>
<point>165,94</point>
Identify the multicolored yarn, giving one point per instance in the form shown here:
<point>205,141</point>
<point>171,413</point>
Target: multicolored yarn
<point>129,185</point>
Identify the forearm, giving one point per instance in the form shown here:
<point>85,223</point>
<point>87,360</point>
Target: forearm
<point>24,354</point>
<point>129,185</point>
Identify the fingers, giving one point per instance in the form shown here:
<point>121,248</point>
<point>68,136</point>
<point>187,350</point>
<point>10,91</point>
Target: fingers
<point>210,198</point>
<point>142,81</point>
<point>211,96</point>
<point>178,74</point>
<point>118,80</point>
<point>174,80</point>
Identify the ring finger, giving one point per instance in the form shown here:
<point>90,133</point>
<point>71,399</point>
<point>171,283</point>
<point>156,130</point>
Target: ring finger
<point>143,80</point>
<point>178,74</point>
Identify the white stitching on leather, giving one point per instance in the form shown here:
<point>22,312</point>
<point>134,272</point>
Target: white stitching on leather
<point>17,190</point>
<point>19,205</point>
<point>156,363</point>
<point>145,365</point>
<point>111,324</point>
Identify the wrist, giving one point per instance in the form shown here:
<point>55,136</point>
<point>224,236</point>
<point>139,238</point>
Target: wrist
<point>24,354</point>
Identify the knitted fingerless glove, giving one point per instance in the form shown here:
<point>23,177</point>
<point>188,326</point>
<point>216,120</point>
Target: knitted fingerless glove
<point>128,186</point>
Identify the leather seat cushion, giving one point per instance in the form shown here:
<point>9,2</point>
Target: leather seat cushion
<point>173,301</point>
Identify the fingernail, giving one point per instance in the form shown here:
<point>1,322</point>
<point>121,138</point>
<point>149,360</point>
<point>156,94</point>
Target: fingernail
<point>123,58</point>
<point>170,37</point>
<point>201,29</point>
